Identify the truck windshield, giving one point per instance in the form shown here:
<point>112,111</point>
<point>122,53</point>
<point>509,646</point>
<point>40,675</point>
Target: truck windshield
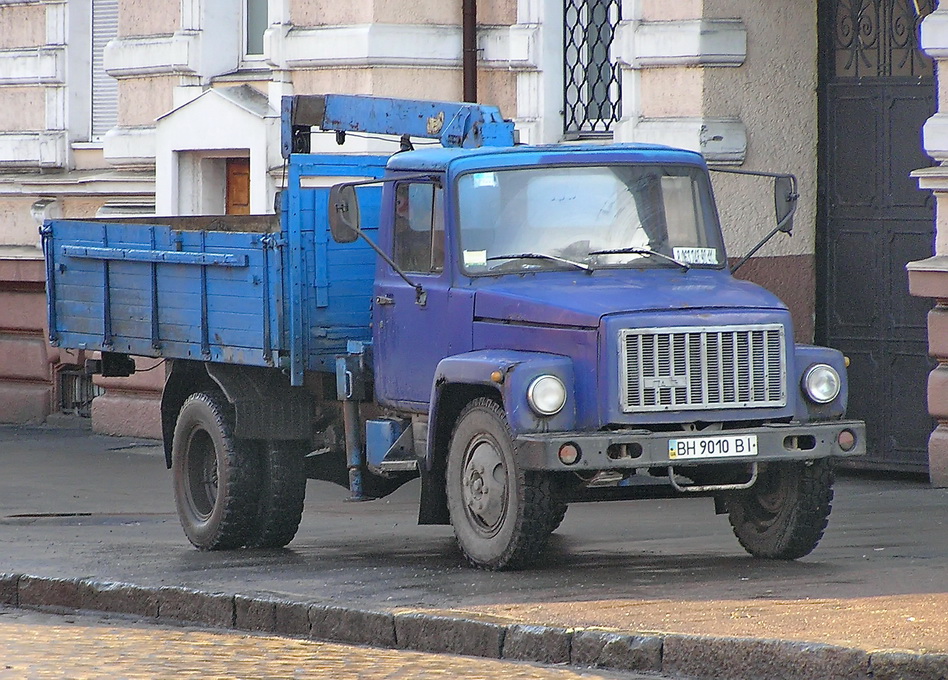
<point>598,216</point>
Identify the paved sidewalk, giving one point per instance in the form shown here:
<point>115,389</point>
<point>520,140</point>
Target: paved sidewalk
<point>654,585</point>
<point>40,645</point>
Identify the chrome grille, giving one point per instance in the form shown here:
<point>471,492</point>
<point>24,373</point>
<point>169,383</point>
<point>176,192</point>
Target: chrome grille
<point>691,368</point>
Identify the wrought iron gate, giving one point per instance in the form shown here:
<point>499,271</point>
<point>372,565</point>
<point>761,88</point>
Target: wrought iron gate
<point>877,90</point>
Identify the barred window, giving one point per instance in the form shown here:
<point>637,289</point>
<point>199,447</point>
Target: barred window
<point>592,87</point>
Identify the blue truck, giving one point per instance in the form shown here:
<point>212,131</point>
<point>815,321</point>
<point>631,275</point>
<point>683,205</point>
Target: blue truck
<point>523,327</point>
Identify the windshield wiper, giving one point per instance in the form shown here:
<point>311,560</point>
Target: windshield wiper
<point>541,256</point>
<point>642,251</point>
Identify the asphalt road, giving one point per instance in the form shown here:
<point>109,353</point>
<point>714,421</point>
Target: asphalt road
<point>77,505</point>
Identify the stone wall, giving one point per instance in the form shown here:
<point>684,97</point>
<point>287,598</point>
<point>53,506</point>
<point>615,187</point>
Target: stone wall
<point>27,363</point>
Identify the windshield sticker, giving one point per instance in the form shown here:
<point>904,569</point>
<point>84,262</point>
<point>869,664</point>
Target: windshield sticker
<point>484,179</point>
<point>696,255</point>
<point>475,258</point>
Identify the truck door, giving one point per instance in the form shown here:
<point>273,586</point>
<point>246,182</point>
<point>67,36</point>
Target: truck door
<point>410,335</point>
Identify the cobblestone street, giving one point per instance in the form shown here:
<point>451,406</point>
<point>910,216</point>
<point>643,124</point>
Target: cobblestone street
<point>36,645</point>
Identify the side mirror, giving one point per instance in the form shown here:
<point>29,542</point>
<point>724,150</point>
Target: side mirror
<point>785,201</point>
<point>343,213</point>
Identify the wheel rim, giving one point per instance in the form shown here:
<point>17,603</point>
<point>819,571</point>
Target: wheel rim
<point>484,486</point>
<point>202,473</point>
<point>770,496</point>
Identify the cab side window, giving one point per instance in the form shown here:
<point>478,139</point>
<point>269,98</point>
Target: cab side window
<point>419,227</point>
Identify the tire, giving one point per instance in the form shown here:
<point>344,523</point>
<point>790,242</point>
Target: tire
<point>784,514</point>
<point>214,474</point>
<point>556,518</point>
<point>282,487</point>
<point>502,520</point>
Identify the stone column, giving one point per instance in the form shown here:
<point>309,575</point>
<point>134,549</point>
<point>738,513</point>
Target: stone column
<point>929,278</point>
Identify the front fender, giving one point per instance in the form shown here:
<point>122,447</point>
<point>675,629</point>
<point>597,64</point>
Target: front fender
<point>805,410</point>
<point>516,370</point>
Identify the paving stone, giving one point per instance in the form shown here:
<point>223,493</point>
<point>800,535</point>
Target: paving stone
<point>121,598</point>
<point>427,633</point>
<point>291,618</point>
<point>33,591</point>
<point>904,666</point>
<point>353,626</point>
<point>254,613</point>
<point>586,646</point>
<point>615,650</point>
<point>742,659</point>
<point>8,589</point>
<point>184,604</point>
<point>542,644</point>
<point>632,653</point>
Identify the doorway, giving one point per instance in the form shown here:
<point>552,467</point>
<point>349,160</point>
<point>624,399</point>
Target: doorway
<point>877,89</point>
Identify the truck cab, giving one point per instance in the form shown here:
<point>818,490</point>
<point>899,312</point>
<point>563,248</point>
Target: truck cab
<point>582,297</point>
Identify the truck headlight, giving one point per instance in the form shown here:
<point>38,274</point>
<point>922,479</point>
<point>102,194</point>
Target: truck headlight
<point>821,383</point>
<point>546,395</point>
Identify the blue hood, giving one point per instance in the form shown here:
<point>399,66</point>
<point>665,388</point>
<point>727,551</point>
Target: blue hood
<point>568,299</point>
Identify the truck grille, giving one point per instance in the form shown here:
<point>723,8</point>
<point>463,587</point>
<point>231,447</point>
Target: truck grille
<point>693,368</point>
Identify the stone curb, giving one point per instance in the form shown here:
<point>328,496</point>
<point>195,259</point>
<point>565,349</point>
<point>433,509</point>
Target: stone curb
<point>695,656</point>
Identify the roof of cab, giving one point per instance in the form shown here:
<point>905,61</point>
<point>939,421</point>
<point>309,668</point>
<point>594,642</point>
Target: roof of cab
<point>438,158</point>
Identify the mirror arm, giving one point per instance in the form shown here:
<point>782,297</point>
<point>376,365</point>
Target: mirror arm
<point>760,245</point>
<point>420,294</point>
<point>785,225</point>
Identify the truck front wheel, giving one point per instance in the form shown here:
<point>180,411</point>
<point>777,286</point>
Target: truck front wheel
<point>213,472</point>
<point>784,514</point>
<point>502,515</point>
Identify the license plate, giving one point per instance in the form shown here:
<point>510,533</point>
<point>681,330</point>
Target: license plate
<point>718,446</point>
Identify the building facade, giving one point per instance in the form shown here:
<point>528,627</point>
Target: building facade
<point>128,107</point>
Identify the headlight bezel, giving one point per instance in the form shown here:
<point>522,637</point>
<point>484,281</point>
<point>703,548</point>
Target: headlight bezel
<point>816,377</point>
<point>540,391</point>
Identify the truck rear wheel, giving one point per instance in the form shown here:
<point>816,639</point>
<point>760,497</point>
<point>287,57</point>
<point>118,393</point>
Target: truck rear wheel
<point>784,514</point>
<point>214,486</point>
<point>502,515</point>
<point>282,490</point>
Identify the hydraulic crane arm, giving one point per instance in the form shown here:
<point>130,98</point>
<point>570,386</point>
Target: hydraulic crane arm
<point>454,124</point>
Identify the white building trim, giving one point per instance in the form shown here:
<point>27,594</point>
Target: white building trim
<point>935,136</point>
<point>534,49</point>
<point>33,66</point>
<point>56,23</point>
<point>79,183</point>
<point>45,149</point>
<point>720,140</point>
<point>152,55</point>
<point>515,47</point>
<point>133,146</point>
<point>934,35</point>
<point>207,46</point>
<point>367,45</point>
<point>698,42</point>
<point>55,108</point>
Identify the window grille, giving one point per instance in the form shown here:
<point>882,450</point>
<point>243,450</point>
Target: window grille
<point>592,87</point>
<point>879,38</point>
<point>104,86</point>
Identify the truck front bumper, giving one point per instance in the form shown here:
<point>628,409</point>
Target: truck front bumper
<point>630,449</point>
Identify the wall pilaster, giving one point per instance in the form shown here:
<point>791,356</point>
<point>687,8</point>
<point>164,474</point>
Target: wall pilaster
<point>929,277</point>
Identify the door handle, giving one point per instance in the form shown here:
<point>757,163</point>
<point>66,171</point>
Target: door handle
<point>382,300</point>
